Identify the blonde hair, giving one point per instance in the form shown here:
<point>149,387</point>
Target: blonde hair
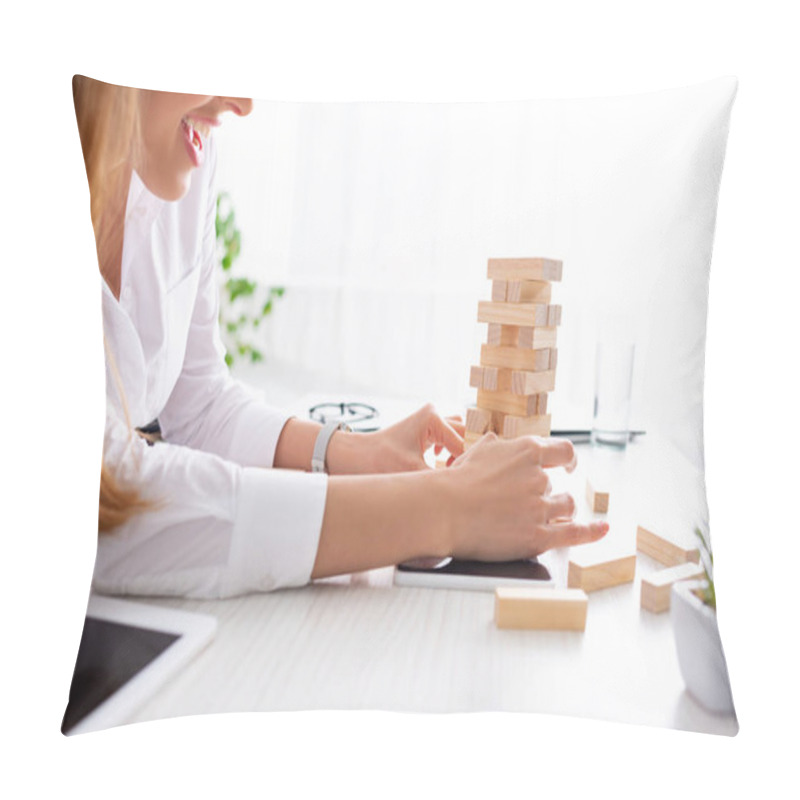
<point>109,128</point>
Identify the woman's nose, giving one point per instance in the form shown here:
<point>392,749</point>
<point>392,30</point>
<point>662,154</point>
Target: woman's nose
<point>240,106</point>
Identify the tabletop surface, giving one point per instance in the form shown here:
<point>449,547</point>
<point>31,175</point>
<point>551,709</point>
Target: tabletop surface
<point>359,642</point>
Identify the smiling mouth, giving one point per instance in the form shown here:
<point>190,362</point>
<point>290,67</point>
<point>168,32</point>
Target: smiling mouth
<point>195,131</point>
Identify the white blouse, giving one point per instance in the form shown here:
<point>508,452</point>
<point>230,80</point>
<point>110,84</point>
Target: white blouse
<point>223,521</point>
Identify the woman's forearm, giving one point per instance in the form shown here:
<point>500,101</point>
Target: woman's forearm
<point>374,521</point>
<point>348,453</point>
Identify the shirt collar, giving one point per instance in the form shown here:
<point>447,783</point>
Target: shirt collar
<point>143,206</point>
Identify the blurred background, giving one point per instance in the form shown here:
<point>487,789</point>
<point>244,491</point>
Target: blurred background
<point>377,220</point>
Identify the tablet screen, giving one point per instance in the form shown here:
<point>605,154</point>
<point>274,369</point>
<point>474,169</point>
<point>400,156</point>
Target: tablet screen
<point>110,654</point>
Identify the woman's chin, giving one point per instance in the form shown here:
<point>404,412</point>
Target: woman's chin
<point>170,188</point>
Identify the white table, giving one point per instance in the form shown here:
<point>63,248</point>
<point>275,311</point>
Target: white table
<point>358,642</point>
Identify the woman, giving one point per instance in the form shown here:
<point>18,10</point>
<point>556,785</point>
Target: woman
<point>223,505</point>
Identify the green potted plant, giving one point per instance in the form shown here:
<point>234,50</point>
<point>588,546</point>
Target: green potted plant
<point>699,647</point>
<point>243,302</point>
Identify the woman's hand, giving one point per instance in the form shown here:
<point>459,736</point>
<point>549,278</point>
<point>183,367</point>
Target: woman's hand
<point>398,448</point>
<point>503,504</point>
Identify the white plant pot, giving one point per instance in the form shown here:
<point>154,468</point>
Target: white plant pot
<point>699,647</point>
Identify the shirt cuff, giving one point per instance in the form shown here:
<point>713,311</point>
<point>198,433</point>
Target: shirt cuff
<point>277,528</point>
<point>255,438</point>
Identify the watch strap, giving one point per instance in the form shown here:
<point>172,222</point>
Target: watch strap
<point>321,445</point>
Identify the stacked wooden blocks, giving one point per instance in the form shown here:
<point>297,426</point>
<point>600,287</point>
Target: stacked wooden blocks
<point>518,362</point>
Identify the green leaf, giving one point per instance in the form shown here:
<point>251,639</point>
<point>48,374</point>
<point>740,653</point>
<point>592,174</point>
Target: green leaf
<point>229,359</point>
<point>239,287</point>
<point>277,291</point>
<point>267,308</point>
<point>255,355</point>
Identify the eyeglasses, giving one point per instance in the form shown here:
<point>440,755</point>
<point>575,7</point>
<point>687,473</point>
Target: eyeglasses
<point>353,414</point>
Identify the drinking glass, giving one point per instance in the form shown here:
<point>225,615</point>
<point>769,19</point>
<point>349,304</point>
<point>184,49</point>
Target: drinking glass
<point>612,394</point>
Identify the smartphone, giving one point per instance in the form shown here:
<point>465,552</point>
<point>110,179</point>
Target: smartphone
<point>455,573</point>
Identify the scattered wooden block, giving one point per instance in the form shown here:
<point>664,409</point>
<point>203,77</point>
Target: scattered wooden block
<point>540,609</point>
<point>664,550</point>
<point>520,314</point>
<point>515,358</point>
<point>656,588</point>
<point>513,426</point>
<point>598,501</point>
<point>588,573</point>
<point>527,292</point>
<point>508,403</point>
<point>525,383</point>
<point>441,463</point>
<point>531,269</point>
<point>478,420</point>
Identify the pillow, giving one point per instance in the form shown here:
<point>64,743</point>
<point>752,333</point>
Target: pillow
<point>351,246</point>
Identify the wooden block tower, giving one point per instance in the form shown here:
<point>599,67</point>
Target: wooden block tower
<point>518,361</point>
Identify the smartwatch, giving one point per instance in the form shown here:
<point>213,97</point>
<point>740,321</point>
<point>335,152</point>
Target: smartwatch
<point>321,445</point>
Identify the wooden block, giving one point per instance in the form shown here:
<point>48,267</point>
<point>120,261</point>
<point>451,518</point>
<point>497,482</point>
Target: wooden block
<point>529,269</point>
<point>541,407</point>
<point>492,379</point>
<point>513,427</point>
<point>524,383</point>
<point>656,588</point>
<point>520,314</point>
<point>598,501</point>
<point>536,338</point>
<point>526,337</point>
<point>589,574</point>
<point>527,292</point>
<point>485,378</point>
<point>508,403</point>
<point>476,377</point>
<point>499,291</point>
<point>540,609</point>
<point>515,358</point>
<point>478,420</point>
<point>553,358</point>
<point>553,315</point>
<point>664,550</point>
<point>502,335</point>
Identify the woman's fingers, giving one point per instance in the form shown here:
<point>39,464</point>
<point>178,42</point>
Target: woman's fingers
<point>442,434</point>
<point>457,424</point>
<point>560,506</point>
<point>557,453</point>
<point>566,534</point>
